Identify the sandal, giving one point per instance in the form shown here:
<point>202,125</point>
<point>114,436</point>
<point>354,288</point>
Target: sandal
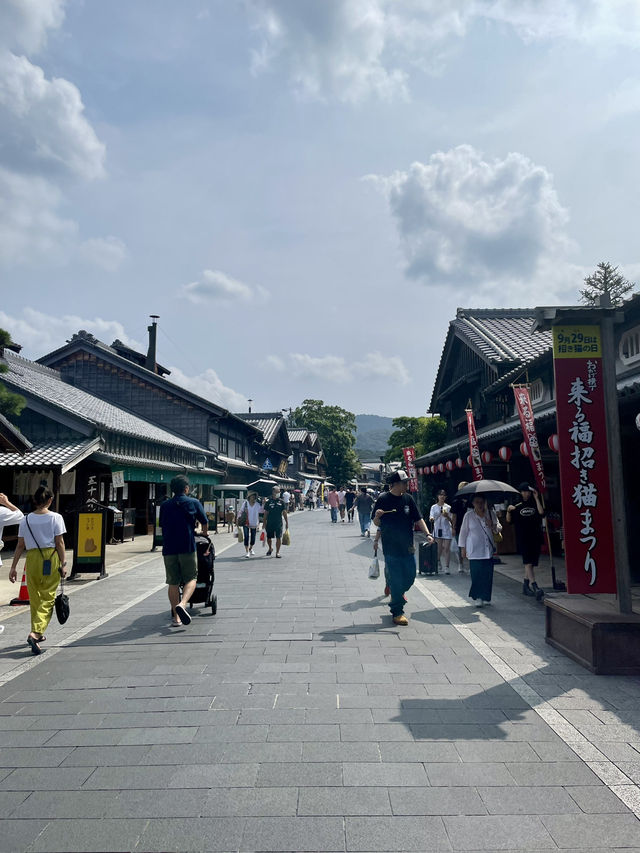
<point>35,648</point>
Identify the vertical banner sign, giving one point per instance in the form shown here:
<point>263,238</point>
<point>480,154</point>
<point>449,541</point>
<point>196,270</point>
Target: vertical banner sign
<point>584,463</point>
<point>409,454</point>
<point>474,450</point>
<point>525,412</point>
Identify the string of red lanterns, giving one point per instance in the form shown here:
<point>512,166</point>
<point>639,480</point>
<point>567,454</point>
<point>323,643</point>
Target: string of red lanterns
<point>504,454</point>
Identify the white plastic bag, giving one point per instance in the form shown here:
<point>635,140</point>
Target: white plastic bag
<point>374,569</point>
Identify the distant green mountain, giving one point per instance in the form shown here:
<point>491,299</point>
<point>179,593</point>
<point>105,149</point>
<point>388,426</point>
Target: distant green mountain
<point>372,436</point>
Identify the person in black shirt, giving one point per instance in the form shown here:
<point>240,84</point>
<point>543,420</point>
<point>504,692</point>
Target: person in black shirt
<point>349,499</point>
<point>527,517</point>
<point>274,512</point>
<point>459,506</point>
<point>396,514</point>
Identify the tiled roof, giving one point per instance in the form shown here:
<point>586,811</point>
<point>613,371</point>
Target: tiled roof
<point>297,434</point>
<point>11,439</point>
<point>28,377</point>
<point>51,454</point>
<point>267,422</point>
<point>502,334</point>
<point>237,463</point>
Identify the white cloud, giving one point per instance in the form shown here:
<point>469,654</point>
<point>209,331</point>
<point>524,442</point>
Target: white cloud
<point>335,368</point>
<point>45,142</point>
<point>352,49</point>
<point>476,224</point>
<point>209,385</point>
<point>626,99</point>
<point>216,285</point>
<point>39,333</point>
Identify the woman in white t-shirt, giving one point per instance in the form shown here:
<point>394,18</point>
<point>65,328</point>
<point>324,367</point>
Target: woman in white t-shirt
<point>41,535</point>
<point>250,513</point>
<point>440,518</point>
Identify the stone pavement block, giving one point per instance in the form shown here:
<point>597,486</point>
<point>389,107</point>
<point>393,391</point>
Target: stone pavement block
<point>492,751</point>
<point>240,753</point>
<point>387,774</point>
<point>548,773</point>
<point>155,734</point>
<point>340,751</point>
<point>527,800</point>
<point>250,802</point>
<point>285,774</point>
<point>522,832</point>
<point>424,751</point>
<point>304,733</point>
<point>443,731</point>
<point>464,775</point>
<point>271,717</point>
<point>552,751</point>
<point>10,800</point>
<point>293,833</point>
<point>344,716</point>
<point>85,737</point>
<point>229,734</point>
<point>436,801</point>
<point>595,799</point>
<point>194,834</point>
<point>65,804</point>
<point>631,768</point>
<point>343,801</point>
<point>26,738</point>
<point>396,834</point>
<point>88,835</point>
<point>19,834</point>
<point>46,779</point>
<point>35,756</point>
<point>382,732</point>
<point>196,776</point>
<point>617,830</point>
<point>106,756</point>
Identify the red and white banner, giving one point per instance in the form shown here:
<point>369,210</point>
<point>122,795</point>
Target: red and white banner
<point>474,450</point>
<point>409,454</point>
<point>527,422</point>
<point>584,462</point>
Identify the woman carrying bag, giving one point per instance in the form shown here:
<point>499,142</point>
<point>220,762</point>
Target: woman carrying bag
<point>249,519</point>
<point>41,534</point>
<point>477,543</point>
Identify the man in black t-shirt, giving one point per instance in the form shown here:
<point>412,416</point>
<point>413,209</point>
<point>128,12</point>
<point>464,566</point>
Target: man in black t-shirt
<point>396,514</point>
<point>274,512</point>
<point>527,517</point>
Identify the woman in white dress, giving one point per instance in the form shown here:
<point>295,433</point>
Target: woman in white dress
<point>477,543</point>
<point>440,518</point>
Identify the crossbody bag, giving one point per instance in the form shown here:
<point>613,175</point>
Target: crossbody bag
<point>61,602</point>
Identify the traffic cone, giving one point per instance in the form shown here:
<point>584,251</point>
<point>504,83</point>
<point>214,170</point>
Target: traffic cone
<point>23,597</point>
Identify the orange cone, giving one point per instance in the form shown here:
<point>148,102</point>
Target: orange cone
<point>23,597</point>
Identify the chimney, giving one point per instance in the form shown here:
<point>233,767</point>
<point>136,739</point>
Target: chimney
<point>150,363</point>
<point>250,401</point>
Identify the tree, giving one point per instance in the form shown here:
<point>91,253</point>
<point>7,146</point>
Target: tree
<point>336,430</point>
<point>10,404</point>
<point>607,284</point>
<point>425,434</point>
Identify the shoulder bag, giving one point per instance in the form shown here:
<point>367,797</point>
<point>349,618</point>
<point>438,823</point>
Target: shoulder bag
<point>61,602</point>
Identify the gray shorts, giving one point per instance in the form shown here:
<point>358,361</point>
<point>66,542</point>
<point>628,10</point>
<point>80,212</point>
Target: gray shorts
<point>180,568</point>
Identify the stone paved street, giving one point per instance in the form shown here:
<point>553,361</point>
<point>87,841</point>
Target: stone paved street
<point>299,718</point>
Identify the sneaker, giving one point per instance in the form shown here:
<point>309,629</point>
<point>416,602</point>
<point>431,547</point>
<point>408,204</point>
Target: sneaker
<point>446,571</point>
<point>400,620</point>
<point>460,571</point>
<point>252,552</point>
<point>269,552</point>
<point>480,603</point>
<point>368,533</point>
<point>182,614</point>
<point>176,623</point>
<point>247,554</point>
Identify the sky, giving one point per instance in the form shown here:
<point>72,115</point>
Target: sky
<point>304,191</point>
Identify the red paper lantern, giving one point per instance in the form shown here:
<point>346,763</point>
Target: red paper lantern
<point>487,456</point>
<point>449,465</point>
<point>441,467</point>
<point>459,462</point>
<point>524,449</point>
<point>434,469</point>
<point>554,442</point>
<point>505,454</point>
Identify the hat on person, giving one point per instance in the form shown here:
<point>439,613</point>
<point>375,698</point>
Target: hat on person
<point>398,476</point>
<point>524,487</point>
<point>275,489</point>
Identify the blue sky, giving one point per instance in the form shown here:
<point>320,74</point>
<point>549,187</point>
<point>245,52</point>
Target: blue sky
<point>305,190</point>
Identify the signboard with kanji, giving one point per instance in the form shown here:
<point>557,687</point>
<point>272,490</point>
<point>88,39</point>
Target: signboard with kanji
<point>583,456</point>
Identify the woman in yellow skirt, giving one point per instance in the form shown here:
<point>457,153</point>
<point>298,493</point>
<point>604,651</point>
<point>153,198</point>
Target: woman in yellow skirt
<point>41,534</point>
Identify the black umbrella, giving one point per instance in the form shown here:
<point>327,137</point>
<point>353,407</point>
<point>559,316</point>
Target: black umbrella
<point>493,490</point>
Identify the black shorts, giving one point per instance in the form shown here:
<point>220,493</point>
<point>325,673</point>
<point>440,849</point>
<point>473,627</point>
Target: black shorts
<point>531,554</point>
<point>274,532</point>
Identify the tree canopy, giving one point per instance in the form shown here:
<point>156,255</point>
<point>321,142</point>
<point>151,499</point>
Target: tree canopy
<point>424,434</point>
<point>605,282</point>
<point>10,404</point>
<point>336,430</point>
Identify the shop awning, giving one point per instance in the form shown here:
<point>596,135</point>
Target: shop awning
<point>62,455</point>
<point>305,476</point>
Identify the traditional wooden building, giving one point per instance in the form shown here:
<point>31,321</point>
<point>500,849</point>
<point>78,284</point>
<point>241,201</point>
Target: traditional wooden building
<point>272,454</point>
<point>307,463</point>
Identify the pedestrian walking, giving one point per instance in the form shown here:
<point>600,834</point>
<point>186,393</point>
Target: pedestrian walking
<point>9,514</point>
<point>458,510</point>
<point>342,502</point>
<point>349,500</point>
<point>334,502</point>
<point>41,535</point>
<point>249,515</point>
<point>274,514</point>
<point>178,517</point>
<point>364,504</point>
<point>440,518</point>
<point>396,514</point>
<point>477,543</point>
<point>527,516</point>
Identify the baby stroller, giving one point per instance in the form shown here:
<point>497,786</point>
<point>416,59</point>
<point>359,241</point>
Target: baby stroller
<point>203,593</point>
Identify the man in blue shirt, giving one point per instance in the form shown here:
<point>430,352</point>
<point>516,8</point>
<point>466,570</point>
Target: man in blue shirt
<point>178,517</point>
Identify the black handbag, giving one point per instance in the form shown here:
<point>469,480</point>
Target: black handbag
<point>62,604</point>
